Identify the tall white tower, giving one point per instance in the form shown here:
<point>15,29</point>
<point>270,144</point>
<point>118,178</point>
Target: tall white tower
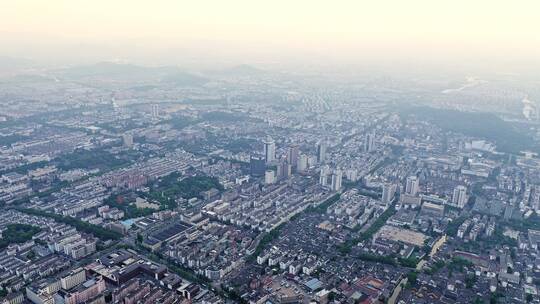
<point>323,177</point>
<point>302,164</point>
<point>155,111</point>
<point>292,155</point>
<point>269,177</point>
<point>128,140</point>
<point>459,197</point>
<point>269,150</point>
<point>412,185</point>
<point>369,143</point>
<point>337,175</point>
<point>389,190</point>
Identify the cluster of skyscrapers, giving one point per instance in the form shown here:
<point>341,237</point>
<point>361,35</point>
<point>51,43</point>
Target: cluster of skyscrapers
<point>331,178</point>
<point>273,169</point>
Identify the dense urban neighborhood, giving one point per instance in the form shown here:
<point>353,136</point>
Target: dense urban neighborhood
<point>126,184</point>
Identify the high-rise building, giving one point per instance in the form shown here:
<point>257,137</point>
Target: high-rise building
<point>283,170</point>
<point>292,155</point>
<point>88,290</point>
<point>412,185</point>
<point>288,170</point>
<point>302,164</point>
<point>74,278</point>
<point>269,177</point>
<point>311,161</point>
<point>257,166</point>
<point>155,111</point>
<point>337,176</point>
<point>323,177</point>
<point>128,140</point>
<point>280,170</point>
<point>269,150</point>
<point>459,197</point>
<point>389,190</point>
<point>351,174</point>
<point>369,142</point>
<point>321,152</point>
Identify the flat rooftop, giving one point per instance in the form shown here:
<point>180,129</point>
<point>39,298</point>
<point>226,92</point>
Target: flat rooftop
<point>171,231</point>
<point>402,235</point>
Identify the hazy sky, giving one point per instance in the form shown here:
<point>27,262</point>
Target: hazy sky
<point>273,31</point>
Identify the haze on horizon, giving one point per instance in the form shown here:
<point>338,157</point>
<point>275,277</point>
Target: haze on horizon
<point>479,33</point>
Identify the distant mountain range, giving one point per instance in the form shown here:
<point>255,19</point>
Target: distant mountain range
<point>104,69</point>
<point>122,71</point>
<point>13,64</point>
<point>127,72</point>
<point>6,61</point>
<point>242,70</point>
<point>112,68</point>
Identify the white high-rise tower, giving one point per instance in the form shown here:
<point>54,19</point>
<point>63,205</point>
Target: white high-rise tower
<point>269,150</point>
<point>412,185</point>
<point>155,111</point>
<point>389,190</point>
<point>337,175</point>
<point>459,197</point>
<point>369,143</point>
<point>323,177</point>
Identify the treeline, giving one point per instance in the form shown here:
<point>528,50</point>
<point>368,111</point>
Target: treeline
<point>89,159</point>
<point>383,259</point>
<point>170,187</point>
<point>26,167</point>
<point>241,145</point>
<point>322,207</point>
<point>230,293</point>
<point>188,187</point>
<point>17,233</point>
<point>498,238</point>
<point>532,222</point>
<point>435,267</point>
<point>389,260</point>
<point>482,125</point>
<point>266,239</point>
<point>180,122</point>
<point>408,262</point>
<point>8,140</point>
<point>219,116</point>
<point>368,234</point>
<point>459,264</point>
<point>172,265</point>
<point>130,210</point>
<point>453,226</point>
<point>98,231</point>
